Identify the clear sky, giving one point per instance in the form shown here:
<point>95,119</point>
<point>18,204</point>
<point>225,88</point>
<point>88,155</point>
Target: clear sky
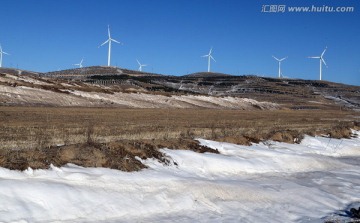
<point>171,35</point>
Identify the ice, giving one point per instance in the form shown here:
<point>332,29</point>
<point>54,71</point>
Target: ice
<point>266,182</point>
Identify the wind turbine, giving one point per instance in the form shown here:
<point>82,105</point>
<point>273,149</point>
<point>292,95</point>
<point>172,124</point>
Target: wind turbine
<point>209,57</point>
<point>321,58</point>
<point>109,40</point>
<point>1,55</point>
<point>141,65</point>
<point>79,64</point>
<point>279,60</point>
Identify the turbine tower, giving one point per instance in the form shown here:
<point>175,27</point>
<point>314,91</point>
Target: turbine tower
<point>321,58</point>
<point>209,58</point>
<point>1,55</point>
<point>141,65</point>
<point>79,64</point>
<point>279,60</point>
<point>109,40</point>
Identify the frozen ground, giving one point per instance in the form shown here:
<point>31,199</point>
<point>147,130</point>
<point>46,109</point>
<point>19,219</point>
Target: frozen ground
<point>267,182</point>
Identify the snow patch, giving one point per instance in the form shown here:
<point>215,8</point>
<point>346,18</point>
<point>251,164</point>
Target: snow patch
<point>266,182</point>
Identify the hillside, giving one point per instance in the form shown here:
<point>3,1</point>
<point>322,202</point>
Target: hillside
<point>206,74</point>
<point>116,87</point>
<point>41,90</point>
<point>88,72</point>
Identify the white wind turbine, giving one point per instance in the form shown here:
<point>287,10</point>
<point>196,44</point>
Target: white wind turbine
<point>79,64</point>
<point>321,58</point>
<point>141,65</point>
<point>209,57</point>
<point>1,55</point>
<point>279,60</point>
<point>109,40</point>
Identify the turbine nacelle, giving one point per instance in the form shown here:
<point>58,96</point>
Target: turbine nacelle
<point>110,40</point>
<point>140,65</point>
<point>3,52</point>
<point>79,64</point>
<point>279,59</point>
<point>209,55</point>
<point>321,57</point>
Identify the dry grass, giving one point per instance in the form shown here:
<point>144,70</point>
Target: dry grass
<point>33,127</point>
<point>109,137</point>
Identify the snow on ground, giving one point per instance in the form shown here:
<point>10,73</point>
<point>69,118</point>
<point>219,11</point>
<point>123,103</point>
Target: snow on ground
<point>28,95</point>
<point>28,79</point>
<point>38,95</point>
<point>266,182</point>
<point>141,100</point>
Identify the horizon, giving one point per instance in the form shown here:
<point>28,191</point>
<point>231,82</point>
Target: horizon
<point>171,36</point>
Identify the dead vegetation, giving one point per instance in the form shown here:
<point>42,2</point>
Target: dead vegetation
<point>103,137</point>
<point>116,155</point>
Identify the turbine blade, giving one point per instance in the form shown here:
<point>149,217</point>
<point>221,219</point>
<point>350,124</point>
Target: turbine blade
<point>323,52</point>
<point>138,62</point>
<point>205,56</point>
<point>314,57</point>
<point>109,31</point>
<point>323,61</point>
<point>210,51</point>
<point>212,58</point>
<point>5,53</point>
<point>104,42</point>
<point>115,41</point>
<point>283,59</point>
<point>275,58</point>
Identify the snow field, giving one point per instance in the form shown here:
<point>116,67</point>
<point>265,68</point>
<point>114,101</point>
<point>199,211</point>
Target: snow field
<point>266,182</point>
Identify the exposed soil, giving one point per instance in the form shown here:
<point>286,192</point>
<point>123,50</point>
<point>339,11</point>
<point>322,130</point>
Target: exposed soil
<point>116,155</point>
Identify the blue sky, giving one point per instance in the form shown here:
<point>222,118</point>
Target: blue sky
<point>171,35</point>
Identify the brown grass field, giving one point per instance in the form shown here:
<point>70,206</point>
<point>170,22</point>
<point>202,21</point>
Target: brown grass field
<point>95,136</point>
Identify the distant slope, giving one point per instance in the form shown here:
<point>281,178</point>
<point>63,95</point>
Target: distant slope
<point>86,85</point>
<point>206,74</point>
<point>85,72</point>
<point>17,71</point>
<point>28,90</point>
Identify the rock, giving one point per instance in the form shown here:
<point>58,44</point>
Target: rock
<point>355,213</point>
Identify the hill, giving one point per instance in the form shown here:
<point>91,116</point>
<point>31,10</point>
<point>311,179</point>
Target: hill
<point>88,72</point>
<point>113,86</point>
<point>17,71</point>
<point>206,74</point>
